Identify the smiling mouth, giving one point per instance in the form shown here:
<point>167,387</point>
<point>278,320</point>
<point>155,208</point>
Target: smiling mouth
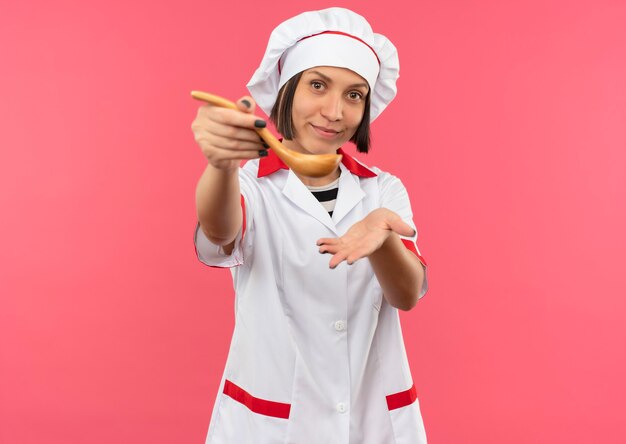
<point>327,132</point>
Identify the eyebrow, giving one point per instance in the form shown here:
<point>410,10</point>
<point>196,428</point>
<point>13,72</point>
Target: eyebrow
<point>329,80</point>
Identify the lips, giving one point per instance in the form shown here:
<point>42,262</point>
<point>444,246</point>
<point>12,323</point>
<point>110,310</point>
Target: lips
<point>326,132</point>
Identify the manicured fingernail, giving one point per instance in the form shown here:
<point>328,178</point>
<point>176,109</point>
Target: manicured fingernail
<point>260,123</point>
<point>263,153</point>
<point>246,102</point>
<point>265,145</point>
<point>414,233</point>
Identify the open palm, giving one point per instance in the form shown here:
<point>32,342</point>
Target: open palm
<point>364,237</point>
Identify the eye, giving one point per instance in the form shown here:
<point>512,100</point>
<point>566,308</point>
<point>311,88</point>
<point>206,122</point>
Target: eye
<point>355,95</point>
<point>317,85</point>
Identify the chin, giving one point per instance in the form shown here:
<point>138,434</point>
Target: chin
<point>323,147</point>
<point>317,145</point>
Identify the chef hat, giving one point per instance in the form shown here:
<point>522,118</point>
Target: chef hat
<point>330,37</point>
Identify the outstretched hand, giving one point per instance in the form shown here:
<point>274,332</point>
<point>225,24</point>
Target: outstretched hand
<point>227,136</point>
<point>364,237</point>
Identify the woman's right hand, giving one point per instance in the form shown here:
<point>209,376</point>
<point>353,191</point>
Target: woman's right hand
<point>227,136</point>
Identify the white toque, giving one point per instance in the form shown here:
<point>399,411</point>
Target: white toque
<point>330,37</point>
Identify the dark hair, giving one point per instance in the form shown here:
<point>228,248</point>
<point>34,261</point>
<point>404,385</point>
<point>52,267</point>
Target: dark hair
<point>282,117</point>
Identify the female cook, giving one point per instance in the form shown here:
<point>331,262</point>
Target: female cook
<point>317,354</point>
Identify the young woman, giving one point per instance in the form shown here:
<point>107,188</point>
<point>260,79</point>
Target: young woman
<point>317,354</point>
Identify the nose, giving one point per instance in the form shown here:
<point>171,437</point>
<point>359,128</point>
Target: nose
<point>332,108</point>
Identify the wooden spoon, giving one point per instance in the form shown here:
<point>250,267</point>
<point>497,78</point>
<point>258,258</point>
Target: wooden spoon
<point>310,165</point>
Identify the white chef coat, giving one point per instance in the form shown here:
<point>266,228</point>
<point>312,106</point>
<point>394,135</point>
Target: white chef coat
<point>317,355</point>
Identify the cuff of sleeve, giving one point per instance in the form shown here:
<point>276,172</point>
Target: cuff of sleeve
<point>410,245</point>
<point>214,255</point>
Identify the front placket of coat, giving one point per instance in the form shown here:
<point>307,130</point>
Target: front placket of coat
<point>320,332</point>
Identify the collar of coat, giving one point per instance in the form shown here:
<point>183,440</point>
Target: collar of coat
<point>272,163</point>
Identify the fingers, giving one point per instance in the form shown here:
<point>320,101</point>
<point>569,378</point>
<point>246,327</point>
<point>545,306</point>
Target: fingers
<point>239,154</point>
<point>246,104</point>
<point>329,245</point>
<point>340,251</point>
<point>400,227</point>
<point>226,135</point>
<point>346,255</point>
<point>332,246</point>
<point>397,225</point>
<point>209,115</point>
<point>218,147</point>
<point>337,259</point>
<point>328,241</point>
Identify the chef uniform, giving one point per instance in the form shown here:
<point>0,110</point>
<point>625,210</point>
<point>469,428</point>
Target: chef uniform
<point>317,354</point>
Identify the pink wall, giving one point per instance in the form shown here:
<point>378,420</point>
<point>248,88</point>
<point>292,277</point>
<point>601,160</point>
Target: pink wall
<point>509,132</point>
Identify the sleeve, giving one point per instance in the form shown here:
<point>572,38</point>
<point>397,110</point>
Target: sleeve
<point>214,255</point>
<point>393,196</point>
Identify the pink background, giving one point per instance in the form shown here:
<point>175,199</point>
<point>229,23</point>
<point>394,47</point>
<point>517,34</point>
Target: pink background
<point>509,132</point>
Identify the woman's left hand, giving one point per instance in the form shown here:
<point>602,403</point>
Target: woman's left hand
<point>364,237</point>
